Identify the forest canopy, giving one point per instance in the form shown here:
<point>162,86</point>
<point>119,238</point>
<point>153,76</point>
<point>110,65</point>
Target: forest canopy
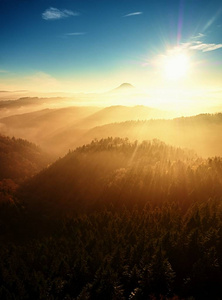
<point>115,219</point>
<point>115,172</point>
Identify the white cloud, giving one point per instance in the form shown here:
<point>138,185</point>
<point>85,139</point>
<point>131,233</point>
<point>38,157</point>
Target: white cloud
<point>53,13</point>
<point>197,44</point>
<point>205,47</point>
<point>134,14</point>
<point>75,33</point>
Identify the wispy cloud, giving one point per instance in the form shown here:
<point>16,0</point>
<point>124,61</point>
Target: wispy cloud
<point>198,36</point>
<point>75,33</point>
<point>197,44</point>
<point>53,13</point>
<point>136,13</point>
<point>213,19</point>
<point>204,47</point>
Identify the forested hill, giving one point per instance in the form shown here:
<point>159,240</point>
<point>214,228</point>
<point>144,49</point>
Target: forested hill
<point>116,173</point>
<point>20,159</point>
<point>202,133</point>
<point>116,220</point>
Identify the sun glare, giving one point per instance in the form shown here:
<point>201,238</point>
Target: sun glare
<point>176,66</point>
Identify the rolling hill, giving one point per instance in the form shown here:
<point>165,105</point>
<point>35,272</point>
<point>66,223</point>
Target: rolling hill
<point>114,218</point>
<point>37,126</point>
<point>20,159</point>
<point>201,133</point>
<point>116,172</point>
<point>59,129</point>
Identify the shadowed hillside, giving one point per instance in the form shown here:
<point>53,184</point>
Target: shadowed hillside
<point>111,220</point>
<point>115,172</point>
<point>19,160</point>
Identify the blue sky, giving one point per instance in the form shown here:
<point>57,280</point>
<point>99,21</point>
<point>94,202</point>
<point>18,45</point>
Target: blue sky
<point>74,41</point>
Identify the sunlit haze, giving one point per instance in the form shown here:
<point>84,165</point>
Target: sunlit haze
<point>111,149</point>
<point>77,46</point>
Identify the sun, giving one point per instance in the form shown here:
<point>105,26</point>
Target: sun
<point>175,66</point>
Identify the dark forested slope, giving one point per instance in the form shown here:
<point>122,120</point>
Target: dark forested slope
<point>115,172</point>
<point>20,159</point>
<point>116,220</point>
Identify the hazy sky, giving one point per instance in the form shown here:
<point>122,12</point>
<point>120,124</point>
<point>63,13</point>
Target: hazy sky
<point>98,44</point>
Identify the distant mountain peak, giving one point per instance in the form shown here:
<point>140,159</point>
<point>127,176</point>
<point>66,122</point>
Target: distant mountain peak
<point>124,86</point>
